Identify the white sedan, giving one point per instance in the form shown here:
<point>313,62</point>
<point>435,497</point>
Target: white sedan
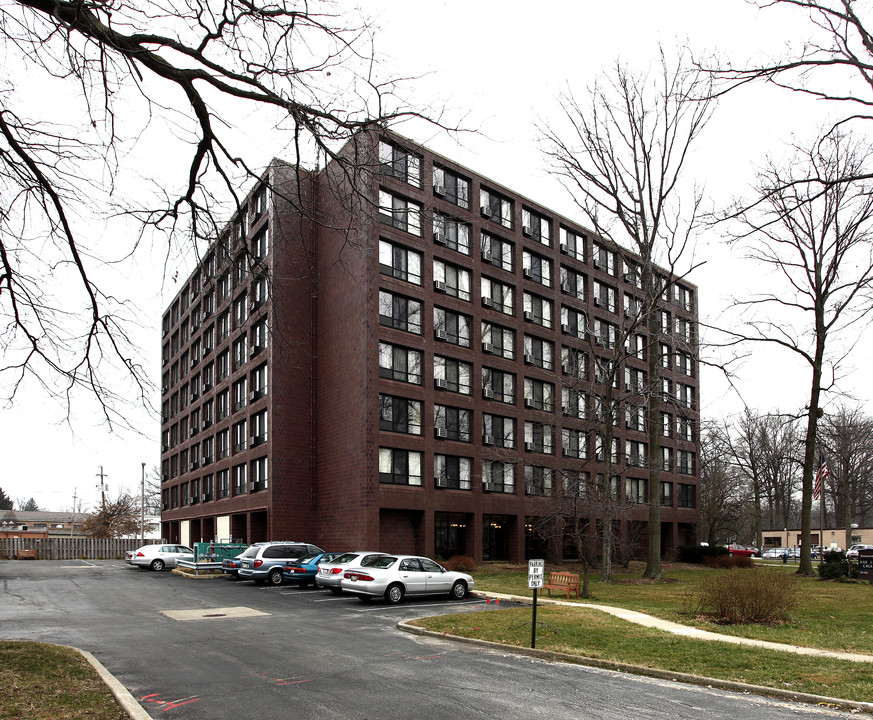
<point>157,557</point>
<point>393,577</point>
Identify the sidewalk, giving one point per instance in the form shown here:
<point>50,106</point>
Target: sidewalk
<point>677,629</point>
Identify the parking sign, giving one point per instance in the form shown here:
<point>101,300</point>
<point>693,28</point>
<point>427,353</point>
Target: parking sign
<point>536,570</point>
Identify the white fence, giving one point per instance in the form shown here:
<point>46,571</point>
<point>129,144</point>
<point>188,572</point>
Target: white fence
<point>74,548</point>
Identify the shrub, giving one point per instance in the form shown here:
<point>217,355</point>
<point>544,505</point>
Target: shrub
<point>835,566</point>
<point>740,598</point>
<point>728,562</point>
<point>460,563</point>
<point>697,554</point>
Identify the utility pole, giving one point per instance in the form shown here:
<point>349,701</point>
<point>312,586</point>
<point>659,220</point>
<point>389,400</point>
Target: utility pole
<point>142,506</point>
<point>102,487</point>
<point>73,520</point>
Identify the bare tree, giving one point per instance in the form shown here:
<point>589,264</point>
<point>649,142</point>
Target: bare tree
<point>722,487</point>
<point>815,233</point>
<point>116,518</point>
<point>126,76</point>
<point>622,155</point>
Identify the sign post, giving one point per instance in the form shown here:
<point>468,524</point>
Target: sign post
<point>535,578</point>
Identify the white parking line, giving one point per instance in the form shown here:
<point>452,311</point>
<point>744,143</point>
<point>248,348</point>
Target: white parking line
<point>403,606</point>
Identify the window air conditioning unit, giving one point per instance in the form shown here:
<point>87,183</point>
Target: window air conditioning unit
<point>488,393</point>
<point>207,460</point>
<point>439,237</point>
<point>598,340</point>
<point>487,347</point>
<point>596,261</point>
<point>487,302</point>
<point>441,432</point>
<point>488,486</point>
<point>165,506</point>
<point>529,359</point>
<point>165,448</point>
<point>442,482</point>
<point>487,439</point>
<point>597,301</point>
<point>526,230</point>
<point>565,248</point>
<point>529,447</point>
<point>439,286</point>
<point>207,386</point>
<point>529,403</point>
<point>565,288</point>
<point>565,410</point>
<point>528,315</point>
<point>629,277</point>
<point>565,328</point>
<point>195,464</point>
<point>440,383</point>
<point>598,456</point>
<point>207,313</point>
<point>192,432</point>
<point>439,190</point>
<point>192,500</point>
<point>485,210</point>
<point>527,273</point>
<point>206,424</point>
<point>165,477</point>
<point>440,334</point>
<point>205,497</point>
<point>486,256</point>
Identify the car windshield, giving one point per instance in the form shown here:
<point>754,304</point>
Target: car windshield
<point>369,560</point>
<point>382,562</point>
<point>307,558</point>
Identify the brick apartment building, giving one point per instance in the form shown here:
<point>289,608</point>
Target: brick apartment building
<point>413,367</point>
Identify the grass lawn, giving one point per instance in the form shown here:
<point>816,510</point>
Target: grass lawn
<point>829,615</point>
<point>47,682</point>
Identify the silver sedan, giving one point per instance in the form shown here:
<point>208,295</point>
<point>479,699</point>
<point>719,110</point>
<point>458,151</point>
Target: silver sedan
<point>393,577</point>
<point>330,574</point>
<point>157,557</point>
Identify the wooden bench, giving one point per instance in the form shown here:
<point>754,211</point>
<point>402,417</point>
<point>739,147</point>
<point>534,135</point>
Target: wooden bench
<point>26,555</point>
<point>563,581</point>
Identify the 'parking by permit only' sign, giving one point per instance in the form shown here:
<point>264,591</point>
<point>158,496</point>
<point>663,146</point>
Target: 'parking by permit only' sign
<point>536,570</point>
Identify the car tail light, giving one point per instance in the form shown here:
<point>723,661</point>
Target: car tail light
<point>258,563</point>
<point>358,576</point>
<point>334,571</point>
<point>294,570</point>
<point>140,554</point>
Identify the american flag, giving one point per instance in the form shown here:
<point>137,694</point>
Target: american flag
<point>820,477</point>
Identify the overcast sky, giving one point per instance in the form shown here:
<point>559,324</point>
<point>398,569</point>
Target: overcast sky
<point>497,68</point>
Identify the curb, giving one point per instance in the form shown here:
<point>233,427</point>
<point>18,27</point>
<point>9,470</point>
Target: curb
<point>552,656</point>
<point>122,695</point>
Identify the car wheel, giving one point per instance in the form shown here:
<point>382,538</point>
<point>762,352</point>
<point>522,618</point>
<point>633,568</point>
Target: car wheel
<point>394,594</point>
<point>157,564</point>
<point>275,577</point>
<point>459,590</point>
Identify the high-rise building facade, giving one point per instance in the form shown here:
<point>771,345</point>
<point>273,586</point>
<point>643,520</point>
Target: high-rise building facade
<point>418,359</point>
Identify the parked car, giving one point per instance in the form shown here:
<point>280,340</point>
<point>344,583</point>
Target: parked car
<point>157,557</point>
<point>266,562</point>
<point>304,569</point>
<point>743,550</point>
<point>776,553</point>
<point>330,574</point>
<point>230,566</point>
<point>396,576</point>
<point>852,552</point>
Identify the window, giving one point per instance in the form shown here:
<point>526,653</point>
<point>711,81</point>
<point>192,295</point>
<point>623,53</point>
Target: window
<point>572,244</point>
<point>685,428</point>
<point>399,262</point>
<point>574,403</point>
<point>573,322</point>
<point>208,339</point>
<point>222,479</point>
<point>537,437</point>
<point>498,340</point>
<point>537,310</point>
<point>536,268</point>
<point>635,417</point>
<point>452,423</point>
<point>241,268</point>
<point>498,431</point>
<point>259,382</point>
<point>605,412</point>
<point>240,351</point>
<point>539,352</point>
<point>239,394</point>
<point>666,425</point>
<point>666,494</point>
<point>399,163</point>
<point>572,283</point>
<point>207,410</point>
<point>538,480</point>
<point>240,439</point>
<point>399,467</point>
<point>684,364</point>
<point>209,267</point>
<point>260,292</point>
<point>222,444</point>
<point>259,202</point>
<point>400,213</point>
<point>574,443</point>
<point>598,449</point>
<point>259,337</point>
<point>604,296</point>
<point>399,363</point>
<point>636,490</point>
<point>498,385</point>
<point>603,259</point>
<point>687,496</point>
<point>685,462</point>
<point>664,316</point>
<point>666,459</point>
<point>495,207</point>
<point>451,327</point>
<point>208,447</point>
<point>222,404</point>
<point>635,346</point>
<point>575,483</point>
<point>633,308</point>
<point>538,395</point>
<point>685,395</point>
<point>400,312</point>
<point>497,251</point>
<point>258,428</point>
<point>666,355</point>
<point>635,453</point>
<point>259,474</point>
<point>635,380</point>
<point>453,234</point>
<point>604,333</point>
<point>451,187</point>
<point>401,415</point>
<point>684,330</point>
<point>452,472</point>
<point>451,279</point>
<point>239,479</point>
<point>667,390</point>
<point>574,363</point>
<point>535,226</point>
<point>497,296</point>
<point>452,375</point>
<point>223,325</point>
<point>261,244</point>
<point>684,297</point>
<point>498,476</point>
<point>240,310</point>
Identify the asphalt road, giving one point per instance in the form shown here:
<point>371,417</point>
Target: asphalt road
<point>304,653</point>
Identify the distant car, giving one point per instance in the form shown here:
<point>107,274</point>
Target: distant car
<point>330,574</point>
<point>852,552</point>
<point>393,577</point>
<point>304,569</point>
<point>266,563</point>
<point>157,557</point>
<point>776,553</point>
<point>743,550</point>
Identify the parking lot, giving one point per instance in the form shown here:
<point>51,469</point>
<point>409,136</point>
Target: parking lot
<point>220,649</point>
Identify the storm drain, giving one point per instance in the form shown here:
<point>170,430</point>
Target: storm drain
<point>212,613</point>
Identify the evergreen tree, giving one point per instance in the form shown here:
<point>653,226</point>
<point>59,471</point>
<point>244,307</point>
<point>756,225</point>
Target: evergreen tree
<point>5,501</point>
